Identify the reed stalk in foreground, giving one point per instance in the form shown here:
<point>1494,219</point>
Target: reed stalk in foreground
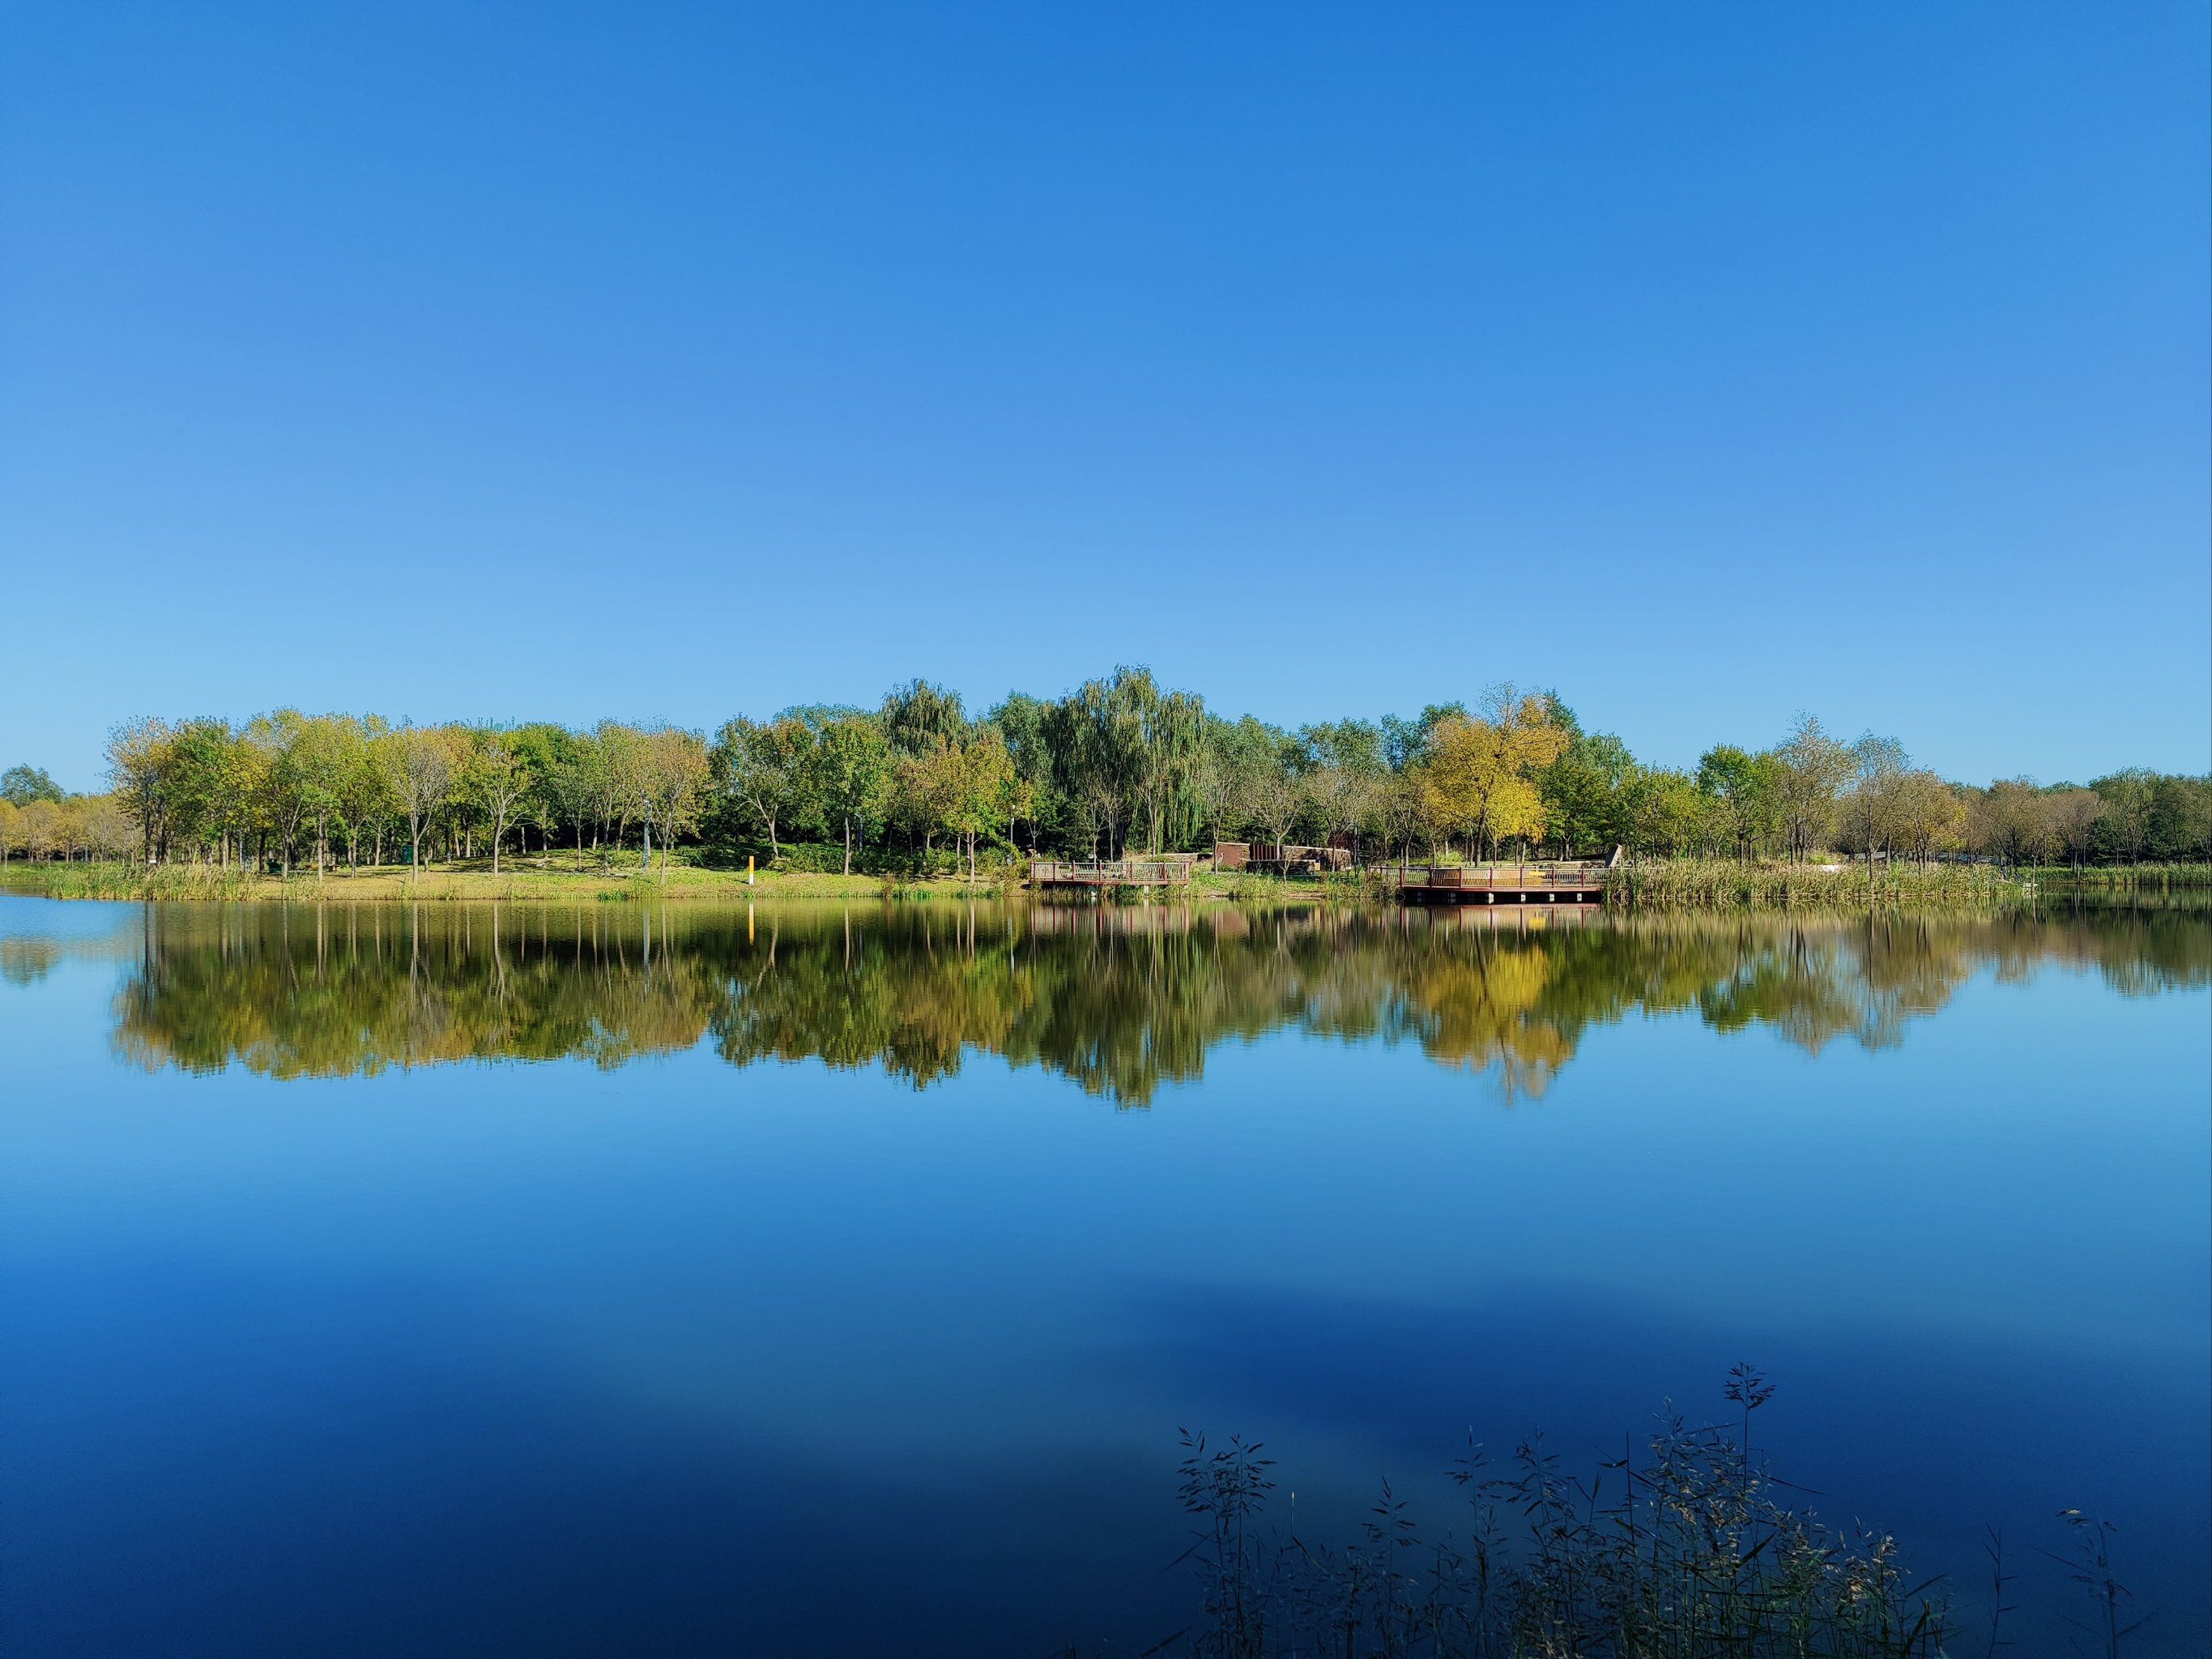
<point>1689,1549</point>
<point>1693,1548</point>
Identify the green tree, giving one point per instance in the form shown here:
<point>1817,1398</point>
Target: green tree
<point>2128,795</point>
<point>1020,721</point>
<point>21,785</point>
<point>1406,742</point>
<point>765,769</point>
<point>494,775</point>
<point>1583,790</point>
<point>1343,769</point>
<point>1747,787</point>
<point>983,783</point>
<point>1237,757</point>
<point>366,803</point>
<point>853,765</point>
<point>2181,817</point>
<point>1663,811</point>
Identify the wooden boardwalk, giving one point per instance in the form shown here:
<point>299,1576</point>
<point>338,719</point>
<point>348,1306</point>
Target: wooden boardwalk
<point>1577,882</point>
<point>1110,872</point>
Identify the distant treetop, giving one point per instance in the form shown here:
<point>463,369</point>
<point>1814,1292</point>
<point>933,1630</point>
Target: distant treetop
<point>21,785</point>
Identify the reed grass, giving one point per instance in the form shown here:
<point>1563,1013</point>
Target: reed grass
<point>1693,1548</point>
<point>112,880</point>
<point>2132,878</point>
<point>1684,884</point>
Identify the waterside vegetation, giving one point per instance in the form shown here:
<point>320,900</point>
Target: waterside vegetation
<point>1689,1546</point>
<point>917,789</point>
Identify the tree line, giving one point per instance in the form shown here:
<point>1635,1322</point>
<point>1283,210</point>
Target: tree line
<point>1118,767</point>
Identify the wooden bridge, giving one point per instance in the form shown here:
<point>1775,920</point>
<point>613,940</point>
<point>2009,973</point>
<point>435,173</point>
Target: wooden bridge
<point>1577,882</point>
<point>1110,872</point>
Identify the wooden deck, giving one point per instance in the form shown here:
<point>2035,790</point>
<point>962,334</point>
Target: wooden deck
<point>1109,873</point>
<point>1579,882</point>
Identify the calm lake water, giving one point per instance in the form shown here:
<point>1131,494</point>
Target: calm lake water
<point>475,1279</point>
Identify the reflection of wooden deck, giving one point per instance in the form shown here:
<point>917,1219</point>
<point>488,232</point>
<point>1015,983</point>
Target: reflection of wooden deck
<point>1109,873</point>
<point>1501,883</point>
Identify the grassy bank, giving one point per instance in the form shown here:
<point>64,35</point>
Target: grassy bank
<point>527,882</point>
<point>1721,884</point>
<point>524,883</point>
<point>1655,886</point>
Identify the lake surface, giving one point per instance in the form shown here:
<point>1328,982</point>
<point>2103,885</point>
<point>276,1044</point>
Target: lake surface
<point>469,1278</point>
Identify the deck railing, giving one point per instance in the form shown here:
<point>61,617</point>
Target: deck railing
<point>1109,873</point>
<point>1480,878</point>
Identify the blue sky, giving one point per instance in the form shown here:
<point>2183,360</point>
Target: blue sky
<point>1707,364</point>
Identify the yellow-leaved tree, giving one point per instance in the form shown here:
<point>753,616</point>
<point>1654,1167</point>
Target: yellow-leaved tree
<point>1480,776</point>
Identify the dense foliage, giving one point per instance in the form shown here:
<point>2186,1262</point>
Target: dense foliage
<point>1118,765</point>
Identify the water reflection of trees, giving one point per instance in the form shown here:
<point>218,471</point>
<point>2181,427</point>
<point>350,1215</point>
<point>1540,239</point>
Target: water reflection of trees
<point>1119,1001</point>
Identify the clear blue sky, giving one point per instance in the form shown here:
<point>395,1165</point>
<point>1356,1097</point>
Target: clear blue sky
<point>1707,363</point>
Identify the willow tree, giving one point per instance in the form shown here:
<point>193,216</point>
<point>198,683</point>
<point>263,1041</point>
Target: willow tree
<point>1171,729</point>
<point>918,717</point>
<point>1119,747</point>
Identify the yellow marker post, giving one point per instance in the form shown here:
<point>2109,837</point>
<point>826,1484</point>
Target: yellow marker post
<point>748,869</point>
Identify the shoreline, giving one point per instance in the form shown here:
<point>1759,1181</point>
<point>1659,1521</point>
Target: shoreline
<point>1710,887</point>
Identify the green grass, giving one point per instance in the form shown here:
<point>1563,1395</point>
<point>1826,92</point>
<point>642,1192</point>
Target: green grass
<point>2141,877</point>
<point>1721,884</point>
<point>518,880</point>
